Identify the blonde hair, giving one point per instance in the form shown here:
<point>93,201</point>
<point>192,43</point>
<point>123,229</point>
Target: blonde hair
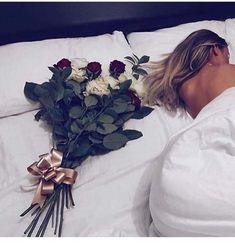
<point>167,75</point>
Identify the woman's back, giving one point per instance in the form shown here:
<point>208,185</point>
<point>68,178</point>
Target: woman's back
<point>211,81</point>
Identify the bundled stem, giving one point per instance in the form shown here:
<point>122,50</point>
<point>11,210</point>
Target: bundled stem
<point>54,204</point>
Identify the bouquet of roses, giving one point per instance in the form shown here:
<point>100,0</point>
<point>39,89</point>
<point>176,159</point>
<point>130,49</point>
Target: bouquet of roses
<point>86,112</point>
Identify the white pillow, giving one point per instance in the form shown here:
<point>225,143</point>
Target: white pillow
<point>163,41</point>
<point>230,37</point>
<point>28,62</point>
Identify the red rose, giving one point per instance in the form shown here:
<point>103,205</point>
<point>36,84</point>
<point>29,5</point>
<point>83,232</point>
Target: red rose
<point>134,99</point>
<point>63,63</point>
<point>93,69</point>
<point>116,68</point>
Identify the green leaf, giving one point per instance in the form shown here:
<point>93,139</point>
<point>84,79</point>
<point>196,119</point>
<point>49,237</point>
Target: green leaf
<point>29,91</point>
<point>119,122</point>
<point>66,73</point>
<point>130,108</point>
<point>39,114</point>
<point>75,128</point>
<point>75,86</point>
<point>54,70</point>
<point>46,101</point>
<point>124,98</point>
<point>68,95</point>
<point>60,130</point>
<point>142,112</point>
<point>81,149</point>
<point>105,99</point>
<point>95,140</point>
<point>126,116</point>
<point>143,59</point>
<point>114,141</point>
<point>132,134</point>
<point>96,135</point>
<point>91,127</point>
<point>136,76</point>
<point>119,107</point>
<point>83,121</point>
<point>59,92</point>
<point>91,115</point>
<point>121,99</point>
<point>141,71</point>
<point>99,149</point>
<point>106,128</point>
<point>50,87</point>
<point>104,118</point>
<point>136,57</point>
<point>112,113</point>
<point>130,59</point>
<point>76,112</point>
<point>71,146</point>
<point>40,91</point>
<point>56,114</point>
<point>90,100</point>
<point>134,68</point>
<point>125,85</point>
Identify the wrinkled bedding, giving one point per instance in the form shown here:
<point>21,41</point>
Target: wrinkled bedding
<point>193,190</point>
<point>111,193</point>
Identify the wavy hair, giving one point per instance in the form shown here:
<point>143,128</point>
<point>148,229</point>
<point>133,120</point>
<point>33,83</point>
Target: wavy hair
<point>167,75</point>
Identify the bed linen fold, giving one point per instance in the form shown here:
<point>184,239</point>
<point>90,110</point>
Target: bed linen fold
<point>192,193</point>
<point>111,192</point>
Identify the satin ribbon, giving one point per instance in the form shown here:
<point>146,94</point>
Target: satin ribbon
<point>50,172</point>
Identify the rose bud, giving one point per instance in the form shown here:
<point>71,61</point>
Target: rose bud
<point>116,68</point>
<point>93,70</point>
<point>134,99</point>
<point>63,63</point>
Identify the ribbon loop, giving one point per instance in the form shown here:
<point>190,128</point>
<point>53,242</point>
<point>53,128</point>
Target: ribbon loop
<point>50,172</point>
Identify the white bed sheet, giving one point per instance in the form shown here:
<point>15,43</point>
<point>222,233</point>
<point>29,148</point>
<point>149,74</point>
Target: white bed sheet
<point>192,193</point>
<point>111,192</point>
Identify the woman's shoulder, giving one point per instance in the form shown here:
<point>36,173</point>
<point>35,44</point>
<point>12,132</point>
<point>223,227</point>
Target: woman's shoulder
<point>225,76</point>
<point>227,68</point>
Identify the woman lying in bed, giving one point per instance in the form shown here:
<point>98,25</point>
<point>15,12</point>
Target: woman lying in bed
<point>196,72</point>
<point>192,191</point>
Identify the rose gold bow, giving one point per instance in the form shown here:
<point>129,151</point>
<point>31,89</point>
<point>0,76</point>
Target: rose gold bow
<point>50,172</point>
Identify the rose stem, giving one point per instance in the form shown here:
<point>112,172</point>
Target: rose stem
<point>48,216</point>
<point>29,227</point>
<point>53,216</point>
<point>61,213</point>
<point>27,210</point>
<point>67,196</point>
<point>35,211</point>
<point>34,221</point>
<point>71,196</point>
<point>57,212</point>
<point>45,220</point>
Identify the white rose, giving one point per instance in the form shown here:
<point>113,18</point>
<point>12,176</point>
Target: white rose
<point>78,74</point>
<point>79,63</point>
<point>78,66</point>
<point>113,82</point>
<point>97,86</point>
<point>125,76</point>
<point>138,87</point>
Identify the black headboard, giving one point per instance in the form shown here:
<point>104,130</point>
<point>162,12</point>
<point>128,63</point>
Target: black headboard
<point>27,21</point>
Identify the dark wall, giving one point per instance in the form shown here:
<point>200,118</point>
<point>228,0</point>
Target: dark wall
<point>22,21</point>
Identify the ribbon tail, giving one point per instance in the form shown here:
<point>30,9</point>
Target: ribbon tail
<point>38,197</point>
